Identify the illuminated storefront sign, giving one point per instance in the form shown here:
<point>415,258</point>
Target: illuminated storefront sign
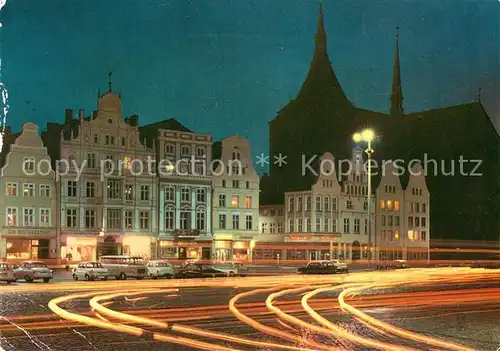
<point>29,231</point>
<point>305,237</point>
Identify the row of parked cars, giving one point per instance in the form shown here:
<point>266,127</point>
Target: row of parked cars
<point>124,267</point>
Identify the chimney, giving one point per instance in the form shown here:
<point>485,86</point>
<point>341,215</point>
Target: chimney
<point>68,115</point>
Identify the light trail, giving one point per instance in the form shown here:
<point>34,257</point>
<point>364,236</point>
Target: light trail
<point>5,94</point>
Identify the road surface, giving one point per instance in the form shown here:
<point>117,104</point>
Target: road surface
<point>415,309</point>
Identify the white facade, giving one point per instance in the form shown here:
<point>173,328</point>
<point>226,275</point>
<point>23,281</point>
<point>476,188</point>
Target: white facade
<point>185,194</point>
<point>333,217</point>
<point>28,214</point>
<point>235,201</point>
<point>111,207</point>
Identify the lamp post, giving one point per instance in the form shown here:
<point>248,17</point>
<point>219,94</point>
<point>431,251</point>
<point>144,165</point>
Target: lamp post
<point>367,136</point>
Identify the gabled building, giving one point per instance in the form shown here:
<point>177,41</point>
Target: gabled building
<point>183,160</point>
<point>236,200</point>
<point>108,191</point>
<point>28,199</point>
<point>322,119</point>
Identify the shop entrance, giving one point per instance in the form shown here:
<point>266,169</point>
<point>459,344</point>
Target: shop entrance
<point>110,247</point>
<point>356,250</point>
<point>206,253</point>
<point>182,253</point>
<point>313,255</point>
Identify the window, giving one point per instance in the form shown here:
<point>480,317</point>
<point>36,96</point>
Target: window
<point>11,189</point>
<point>169,149</point>
<point>129,192</point>
<point>114,191</point>
<point>169,219</point>
<point>71,217</point>
<point>382,219</point>
<point>424,208</point>
<point>109,140</point>
<point>299,203</point>
<point>318,225</point>
<point>248,184</point>
<point>129,219</point>
<point>222,221</point>
<point>280,227</point>
<point>290,225</point>
<point>90,219</point>
<point>417,207</point>
<point>290,204</point>
<point>264,228</point>
<point>235,201</point>
<point>236,184</point>
<point>114,220</point>
<point>12,216</point>
<point>29,165</point>
<point>334,204</point>
<point>389,219</point>
<point>410,221</point>
<point>91,160</point>
<point>396,235</point>
<point>272,228</point>
<point>299,225</point>
<point>169,193</point>
<point>90,189</point>
<point>326,203</point>
<point>200,220</point>
<point>348,205</point>
<point>308,203</point>
<point>248,202</point>
<point>365,206</point>
<point>200,152</point>
<point>144,192</point>
<point>356,226</point>
<point>185,220</point>
<point>249,222</point>
<point>96,138</point>
<point>185,150</point>
<point>382,205</point>
<point>318,203</point>
<point>346,225</point>
<point>423,222</point>
<point>127,163</point>
<point>366,226</point>
<point>222,200</point>
<point>144,220</point>
<point>396,220</point>
<point>389,205</point>
<point>308,225</point>
<point>396,206</point>
<point>29,217</point>
<point>417,221</point>
<point>223,183</point>
<point>423,236</point>
<point>45,217</point>
<point>71,188</point>
<point>236,221</point>
<point>123,141</point>
<point>334,225</point>
<point>29,189</point>
<point>185,194</point>
<point>200,195</point>
<point>236,155</point>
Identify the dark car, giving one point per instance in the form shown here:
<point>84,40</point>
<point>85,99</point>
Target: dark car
<point>400,264</point>
<point>198,270</point>
<point>318,267</point>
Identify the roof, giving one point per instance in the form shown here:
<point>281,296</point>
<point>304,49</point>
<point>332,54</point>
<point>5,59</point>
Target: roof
<point>170,124</point>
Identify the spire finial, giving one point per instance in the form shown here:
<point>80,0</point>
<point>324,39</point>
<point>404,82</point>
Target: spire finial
<point>396,109</point>
<point>321,33</point>
<point>109,82</point>
<point>397,32</point>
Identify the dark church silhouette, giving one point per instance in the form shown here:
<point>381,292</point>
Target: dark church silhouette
<point>321,118</point>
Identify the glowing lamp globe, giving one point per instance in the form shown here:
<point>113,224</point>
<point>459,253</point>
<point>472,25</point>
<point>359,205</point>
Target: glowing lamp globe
<point>357,137</point>
<point>368,135</point>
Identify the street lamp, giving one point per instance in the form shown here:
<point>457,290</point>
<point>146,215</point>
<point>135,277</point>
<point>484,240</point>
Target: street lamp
<point>367,136</point>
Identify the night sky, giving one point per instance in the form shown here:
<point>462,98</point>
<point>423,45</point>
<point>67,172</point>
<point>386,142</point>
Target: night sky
<point>227,66</point>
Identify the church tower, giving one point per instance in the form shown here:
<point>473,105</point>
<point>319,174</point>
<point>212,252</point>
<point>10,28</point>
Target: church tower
<point>396,91</point>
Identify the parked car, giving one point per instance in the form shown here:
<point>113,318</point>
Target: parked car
<point>90,271</point>
<point>123,267</point>
<point>400,264</point>
<point>160,269</point>
<point>232,268</point>
<point>33,270</point>
<point>6,273</point>
<point>323,267</point>
<point>198,270</point>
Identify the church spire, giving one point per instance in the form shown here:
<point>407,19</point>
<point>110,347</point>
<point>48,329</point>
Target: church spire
<point>397,91</point>
<point>320,38</point>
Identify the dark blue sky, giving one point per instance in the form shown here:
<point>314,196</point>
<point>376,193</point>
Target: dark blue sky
<point>227,66</point>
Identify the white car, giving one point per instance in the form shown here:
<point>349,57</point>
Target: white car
<point>39,269</point>
<point>90,271</point>
<point>160,269</point>
<point>340,266</point>
<point>6,273</point>
<point>232,269</point>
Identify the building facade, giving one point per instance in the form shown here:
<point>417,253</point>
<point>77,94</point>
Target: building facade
<point>235,200</point>
<point>108,192</point>
<point>28,211</point>
<point>184,191</point>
